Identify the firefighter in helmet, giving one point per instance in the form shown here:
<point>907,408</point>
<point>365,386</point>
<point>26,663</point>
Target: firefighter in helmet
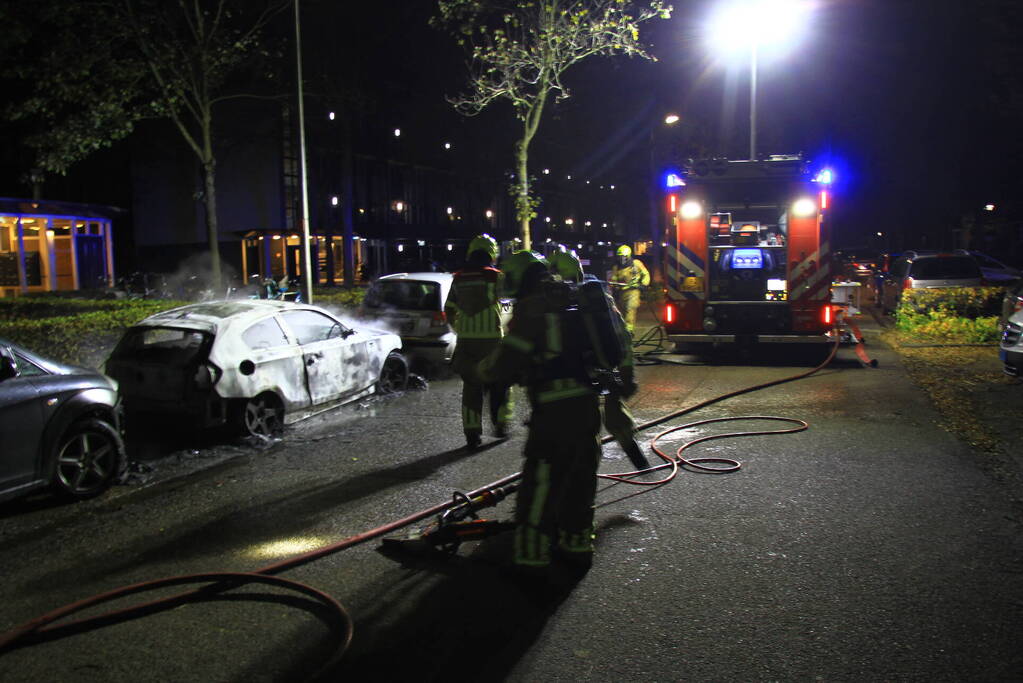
<point>474,309</point>
<point>628,277</point>
<point>617,418</point>
<point>554,504</point>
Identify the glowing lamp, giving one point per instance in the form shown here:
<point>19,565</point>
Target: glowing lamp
<point>804,207</point>
<point>691,209</point>
<point>673,180</point>
<point>825,177</point>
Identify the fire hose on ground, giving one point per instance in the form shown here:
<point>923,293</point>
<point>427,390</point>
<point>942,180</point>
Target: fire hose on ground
<point>46,628</point>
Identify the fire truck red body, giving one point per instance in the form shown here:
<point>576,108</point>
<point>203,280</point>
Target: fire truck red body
<point>748,255</point>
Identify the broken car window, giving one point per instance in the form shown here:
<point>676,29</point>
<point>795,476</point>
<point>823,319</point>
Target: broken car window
<point>266,334</point>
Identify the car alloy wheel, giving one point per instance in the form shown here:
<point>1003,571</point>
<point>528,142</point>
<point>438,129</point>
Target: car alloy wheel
<point>90,455</point>
<point>263,416</point>
<point>393,375</point>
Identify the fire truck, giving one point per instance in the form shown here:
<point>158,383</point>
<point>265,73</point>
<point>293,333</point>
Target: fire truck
<point>747,254</point>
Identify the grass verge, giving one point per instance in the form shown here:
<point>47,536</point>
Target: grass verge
<point>957,378</point>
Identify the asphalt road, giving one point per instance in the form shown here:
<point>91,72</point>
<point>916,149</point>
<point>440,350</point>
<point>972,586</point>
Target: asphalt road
<point>870,547</point>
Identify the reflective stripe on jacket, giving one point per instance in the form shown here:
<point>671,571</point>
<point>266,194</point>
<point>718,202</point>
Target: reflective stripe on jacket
<point>534,344</point>
<point>473,304</point>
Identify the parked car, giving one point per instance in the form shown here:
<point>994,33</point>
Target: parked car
<point>994,271</point>
<point>858,264</point>
<point>257,364</point>
<point>928,270</point>
<point>60,427</point>
<point>1011,348</point>
<point>412,304</point>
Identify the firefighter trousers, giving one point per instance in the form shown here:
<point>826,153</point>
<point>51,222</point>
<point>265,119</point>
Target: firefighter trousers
<point>468,353</point>
<point>554,503</point>
<point>619,424</point>
<point>628,304</point>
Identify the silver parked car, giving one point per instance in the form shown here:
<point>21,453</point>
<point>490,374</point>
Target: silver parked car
<point>1010,350</point>
<point>258,364</point>
<point>928,270</point>
<point>412,304</point>
<point>60,427</point>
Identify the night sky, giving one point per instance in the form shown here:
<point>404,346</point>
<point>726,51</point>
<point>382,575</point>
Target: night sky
<point>897,95</point>
<point>915,103</point>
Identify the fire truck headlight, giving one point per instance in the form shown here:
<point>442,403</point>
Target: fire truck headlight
<point>708,311</point>
<point>709,324</point>
<point>804,207</point>
<point>691,209</point>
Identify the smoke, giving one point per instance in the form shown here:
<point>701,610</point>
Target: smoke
<point>354,320</point>
<point>193,280</point>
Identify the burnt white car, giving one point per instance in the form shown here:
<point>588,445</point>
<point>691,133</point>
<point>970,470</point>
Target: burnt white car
<point>257,364</point>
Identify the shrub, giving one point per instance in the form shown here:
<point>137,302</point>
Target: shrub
<point>339,296</point>
<point>966,302</point>
<point>966,315</point>
<point>72,330</point>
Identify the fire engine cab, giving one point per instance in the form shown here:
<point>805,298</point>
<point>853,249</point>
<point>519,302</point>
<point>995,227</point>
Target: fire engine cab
<point>747,255</point>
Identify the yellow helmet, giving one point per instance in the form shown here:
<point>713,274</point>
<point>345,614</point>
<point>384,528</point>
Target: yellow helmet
<point>567,265</point>
<point>483,242</point>
<point>624,251</point>
<point>515,268</point>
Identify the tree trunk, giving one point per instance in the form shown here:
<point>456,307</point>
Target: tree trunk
<point>212,229</point>
<point>209,165</point>
<point>348,207</point>
<point>522,205</point>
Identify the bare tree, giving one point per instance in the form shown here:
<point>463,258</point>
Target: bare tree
<point>191,49</point>
<point>520,51</point>
<point>107,64</point>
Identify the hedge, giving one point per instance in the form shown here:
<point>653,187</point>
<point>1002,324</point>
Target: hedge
<point>81,331</point>
<point>72,330</point>
<point>967,315</point>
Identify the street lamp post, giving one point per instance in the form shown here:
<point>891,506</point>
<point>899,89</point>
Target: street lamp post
<point>753,103</point>
<point>757,24</point>
<point>307,261</point>
<point>655,208</point>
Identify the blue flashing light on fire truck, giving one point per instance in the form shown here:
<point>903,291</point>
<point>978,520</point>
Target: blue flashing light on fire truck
<point>748,255</point>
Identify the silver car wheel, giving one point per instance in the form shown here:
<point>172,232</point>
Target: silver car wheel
<point>89,457</point>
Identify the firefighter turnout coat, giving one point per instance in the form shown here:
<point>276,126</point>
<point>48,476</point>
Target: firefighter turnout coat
<point>554,505</point>
<point>474,309</point>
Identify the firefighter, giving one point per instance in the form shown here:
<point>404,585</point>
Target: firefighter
<point>628,276</point>
<point>617,418</point>
<point>554,505</point>
<point>474,309</point>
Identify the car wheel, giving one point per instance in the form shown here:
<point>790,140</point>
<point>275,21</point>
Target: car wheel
<point>393,375</point>
<point>89,457</point>
<point>262,416</point>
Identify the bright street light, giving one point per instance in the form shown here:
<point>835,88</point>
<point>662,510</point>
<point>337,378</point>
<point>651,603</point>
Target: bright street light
<point>671,119</point>
<point>758,24</point>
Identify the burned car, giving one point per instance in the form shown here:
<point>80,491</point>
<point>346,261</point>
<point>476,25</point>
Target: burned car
<point>60,427</point>
<point>256,364</point>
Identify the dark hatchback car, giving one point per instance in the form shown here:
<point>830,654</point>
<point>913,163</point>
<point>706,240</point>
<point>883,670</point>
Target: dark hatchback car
<point>60,427</point>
